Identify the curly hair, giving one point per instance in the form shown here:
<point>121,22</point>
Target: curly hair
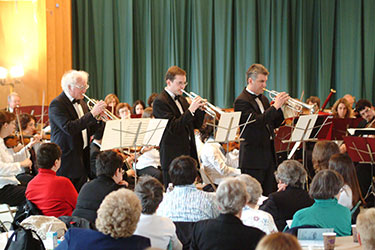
<point>119,213</point>
<point>231,196</point>
<point>292,173</point>
<point>366,227</point>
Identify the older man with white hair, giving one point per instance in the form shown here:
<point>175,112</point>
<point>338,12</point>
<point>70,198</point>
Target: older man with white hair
<point>72,124</point>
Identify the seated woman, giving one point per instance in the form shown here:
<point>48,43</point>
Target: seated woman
<point>227,231</point>
<point>350,193</point>
<point>290,197</point>
<point>111,100</point>
<point>160,230</point>
<point>117,220</point>
<point>123,110</point>
<point>138,108</point>
<point>110,177</point>
<point>53,195</point>
<point>325,212</point>
<point>341,109</point>
<point>251,216</point>
<point>11,165</point>
<point>213,160</point>
<point>322,152</point>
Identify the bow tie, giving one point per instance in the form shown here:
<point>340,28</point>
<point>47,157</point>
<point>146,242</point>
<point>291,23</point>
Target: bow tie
<point>255,96</point>
<point>176,97</point>
<point>75,101</point>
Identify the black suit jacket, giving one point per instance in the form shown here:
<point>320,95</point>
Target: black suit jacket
<point>257,151</point>
<point>175,141</point>
<point>224,232</point>
<point>283,205</point>
<point>66,131</point>
<point>91,196</point>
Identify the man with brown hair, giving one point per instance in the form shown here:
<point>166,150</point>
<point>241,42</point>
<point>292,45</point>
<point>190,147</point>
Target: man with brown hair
<point>257,153</point>
<point>178,138</point>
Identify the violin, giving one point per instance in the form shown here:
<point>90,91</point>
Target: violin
<point>230,146</point>
<point>13,140</point>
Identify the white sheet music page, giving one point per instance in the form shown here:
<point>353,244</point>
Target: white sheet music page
<point>231,119</point>
<point>154,132</point>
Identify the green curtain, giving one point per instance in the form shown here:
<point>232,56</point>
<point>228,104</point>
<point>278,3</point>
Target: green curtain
<point>307,45</point>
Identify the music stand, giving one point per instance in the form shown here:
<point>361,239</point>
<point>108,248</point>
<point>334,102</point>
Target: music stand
<point>362,150</point>
<point>133,133</point>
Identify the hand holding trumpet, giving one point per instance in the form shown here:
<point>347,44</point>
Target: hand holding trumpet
<point>98,108</point>
<point>196,103</point>
<point>281,99</point>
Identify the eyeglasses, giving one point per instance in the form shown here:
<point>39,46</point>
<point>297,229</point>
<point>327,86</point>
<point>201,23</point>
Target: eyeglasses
<point>86,87</point>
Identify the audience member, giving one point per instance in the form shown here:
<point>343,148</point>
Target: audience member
<point>53,195</point>
<point>123,110</point>
<point>366,228</point>
<point>138,107</point>
<point>251,216</point>
<point>279,241</point>
<point>290,197</point>
<point>110,177</point>
<point>160,230</point>
<point>322,152</point>
<point>185,203</point>
<point>350,194</point>
<point>11,165</point>
<point>342,109</point>
<point>227,231</point>
<point>117,220</point>
<point>214,162</point>
<point>325,212</point>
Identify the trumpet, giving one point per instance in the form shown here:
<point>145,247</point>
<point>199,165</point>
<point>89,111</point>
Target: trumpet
<point>209,108</point>
<point>292,103</point>
<point>108,115</point>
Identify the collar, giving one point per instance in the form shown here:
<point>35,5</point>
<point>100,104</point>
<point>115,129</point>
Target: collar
<point>327,201</point>
<point>96,143</point>
<point>46,171</point>
<point>251,92</point>
<point>185,186</point>
<point>69,96</point>
<point>229,218</point>
<point>170,93</point>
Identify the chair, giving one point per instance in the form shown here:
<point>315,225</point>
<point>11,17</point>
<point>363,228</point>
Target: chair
<point>184,232</point>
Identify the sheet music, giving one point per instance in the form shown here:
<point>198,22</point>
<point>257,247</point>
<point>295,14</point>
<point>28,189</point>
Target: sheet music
<point>133,132</point>
<point>155,131</point>
<point>301,131</point>
<point>223,127</point>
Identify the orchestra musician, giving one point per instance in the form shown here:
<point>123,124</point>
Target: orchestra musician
<point>178,138</point>
<point>14,101</point>
<point>257,153</point>
<point>342,109</point>
<point>72,124</point>
<point>367,112</point>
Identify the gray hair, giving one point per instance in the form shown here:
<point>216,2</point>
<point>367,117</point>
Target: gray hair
<point>119,213</point>
<point>326,184</point>
<point>366,227</point>
<point>70,78</point>
<point>253,187</point>
<point>292,173</point>
<point>231,196</point>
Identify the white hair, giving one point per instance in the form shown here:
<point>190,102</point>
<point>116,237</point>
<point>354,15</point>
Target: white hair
<point>231,196</point>
<point>70,78</point>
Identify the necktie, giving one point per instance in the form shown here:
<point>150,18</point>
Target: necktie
<point>176,97</point>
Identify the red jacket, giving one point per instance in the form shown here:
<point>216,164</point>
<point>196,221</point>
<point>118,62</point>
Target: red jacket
<point>53,195</point>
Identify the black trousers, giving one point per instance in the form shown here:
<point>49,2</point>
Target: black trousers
<point>265,177</point>
<point>152,171</point>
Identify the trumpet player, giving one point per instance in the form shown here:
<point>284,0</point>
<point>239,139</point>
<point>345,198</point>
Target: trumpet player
<point>178,138</point>
<point>72,124</point>
<point>257,153</point>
